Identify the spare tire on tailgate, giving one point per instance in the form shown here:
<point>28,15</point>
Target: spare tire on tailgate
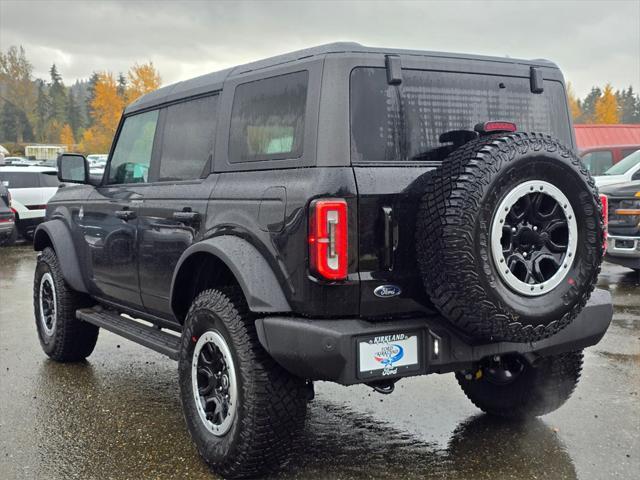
<point>509,237</point>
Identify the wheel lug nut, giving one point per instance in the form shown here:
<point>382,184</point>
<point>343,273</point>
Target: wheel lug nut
<point>535,229</point>
<point>524,254</point>
<point>514,230</point>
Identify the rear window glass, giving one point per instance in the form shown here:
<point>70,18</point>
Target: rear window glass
<point>20,179</point>
<point>405,122</point>
<point>627,151</point>
<point>188,139</point>
<point>267,119</point>
<point>49,179</point>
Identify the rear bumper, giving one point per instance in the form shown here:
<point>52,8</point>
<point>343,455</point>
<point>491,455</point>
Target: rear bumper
<point>623,251</point>
<point>7,223</point>
<point>6,228</point>
<point>328,349</point>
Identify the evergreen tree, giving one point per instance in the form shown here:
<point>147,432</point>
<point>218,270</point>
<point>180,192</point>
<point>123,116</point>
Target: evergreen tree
<point>91,93</point>
<point>122,85</point>
<point>73,114</point>
<point>79,90</point>
<point>58,97</point>
<point>589,106</point>
<point>43,107</point>
<point>14,124</point>
<point>629,105</point>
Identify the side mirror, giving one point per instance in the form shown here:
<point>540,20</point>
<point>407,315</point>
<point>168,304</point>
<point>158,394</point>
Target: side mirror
<point>73,168</point>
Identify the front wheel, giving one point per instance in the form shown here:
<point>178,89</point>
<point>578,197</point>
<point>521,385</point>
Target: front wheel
<point>510,387</point>
<point>243,410</point>
<point>62,336</point>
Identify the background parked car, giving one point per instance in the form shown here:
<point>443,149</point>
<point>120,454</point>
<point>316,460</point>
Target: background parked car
<point>623,242</point>
<point>20,161</point>
<point>622,172</point>
<point>31,188</point>
<point>8,232</point>
<point>602,146</point>
<point>97,163</point>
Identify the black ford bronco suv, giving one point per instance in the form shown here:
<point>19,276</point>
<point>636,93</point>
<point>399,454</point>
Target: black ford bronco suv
<point>342,213</point>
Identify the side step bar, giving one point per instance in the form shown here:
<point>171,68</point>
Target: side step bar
<point>151,337</point>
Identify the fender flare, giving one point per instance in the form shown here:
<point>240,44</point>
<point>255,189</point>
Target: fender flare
<point>60,238</point>
<point>257,280</point>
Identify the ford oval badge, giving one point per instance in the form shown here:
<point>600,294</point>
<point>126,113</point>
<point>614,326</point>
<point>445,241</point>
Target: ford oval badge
<point>387,291</point>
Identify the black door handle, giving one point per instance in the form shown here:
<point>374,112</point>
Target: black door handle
<point>390,237</point>
<point>126,214</point>
<point>186,217</point>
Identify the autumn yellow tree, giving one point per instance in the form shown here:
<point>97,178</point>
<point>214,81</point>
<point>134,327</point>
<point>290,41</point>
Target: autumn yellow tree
<point>66,136</point>
<point>141,79</point>
<point>574,103</point>
<point>106,109</point>
<point>606,108</point>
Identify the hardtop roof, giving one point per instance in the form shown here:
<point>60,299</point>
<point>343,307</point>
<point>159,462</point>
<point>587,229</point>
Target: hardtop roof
<point>214,81</point>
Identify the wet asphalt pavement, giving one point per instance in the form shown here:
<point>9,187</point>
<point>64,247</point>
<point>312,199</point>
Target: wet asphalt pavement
<point>118,415</point>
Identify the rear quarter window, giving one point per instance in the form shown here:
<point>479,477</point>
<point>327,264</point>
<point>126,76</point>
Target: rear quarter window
<point>267,118</point>
<point>20,179</point>
<point>49,180</point>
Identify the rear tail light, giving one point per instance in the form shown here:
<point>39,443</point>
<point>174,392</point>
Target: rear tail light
<point>605,215</point>
<point>328,231</point>
<point>495,127</point>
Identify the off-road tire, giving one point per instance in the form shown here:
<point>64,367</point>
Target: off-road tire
<point>453,237</point>
<point>536,391</point>
<point>71,340</point>
<point>272,403</point>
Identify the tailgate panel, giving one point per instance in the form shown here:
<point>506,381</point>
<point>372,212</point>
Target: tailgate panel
<point>388,198</point>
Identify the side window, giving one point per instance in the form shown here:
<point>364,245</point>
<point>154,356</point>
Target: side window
<point>267,119</point>
<point>132,155</point>
<point>20,179</point>
<point>598,162</point>
<point>188,139</point>
<point>626,152</point>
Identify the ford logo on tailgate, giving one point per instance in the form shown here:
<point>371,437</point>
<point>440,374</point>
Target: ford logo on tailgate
<point>386,291</point>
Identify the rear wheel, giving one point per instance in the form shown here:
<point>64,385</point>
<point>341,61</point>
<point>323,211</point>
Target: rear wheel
<point>510,387</point>
<point>62,336</point>
<point>243,410</point>
<point>509,237</point>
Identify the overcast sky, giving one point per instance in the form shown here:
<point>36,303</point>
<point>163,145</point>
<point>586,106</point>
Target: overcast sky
<point>594,42</point>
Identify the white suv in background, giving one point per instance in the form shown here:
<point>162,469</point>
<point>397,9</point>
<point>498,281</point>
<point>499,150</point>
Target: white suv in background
<point>31,188</point>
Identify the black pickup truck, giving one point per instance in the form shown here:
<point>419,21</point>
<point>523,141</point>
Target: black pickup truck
<point>623,241</point>
<point>342,213</point>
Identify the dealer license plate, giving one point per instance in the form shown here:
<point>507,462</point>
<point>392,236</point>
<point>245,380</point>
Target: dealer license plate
<point>388,354</point>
